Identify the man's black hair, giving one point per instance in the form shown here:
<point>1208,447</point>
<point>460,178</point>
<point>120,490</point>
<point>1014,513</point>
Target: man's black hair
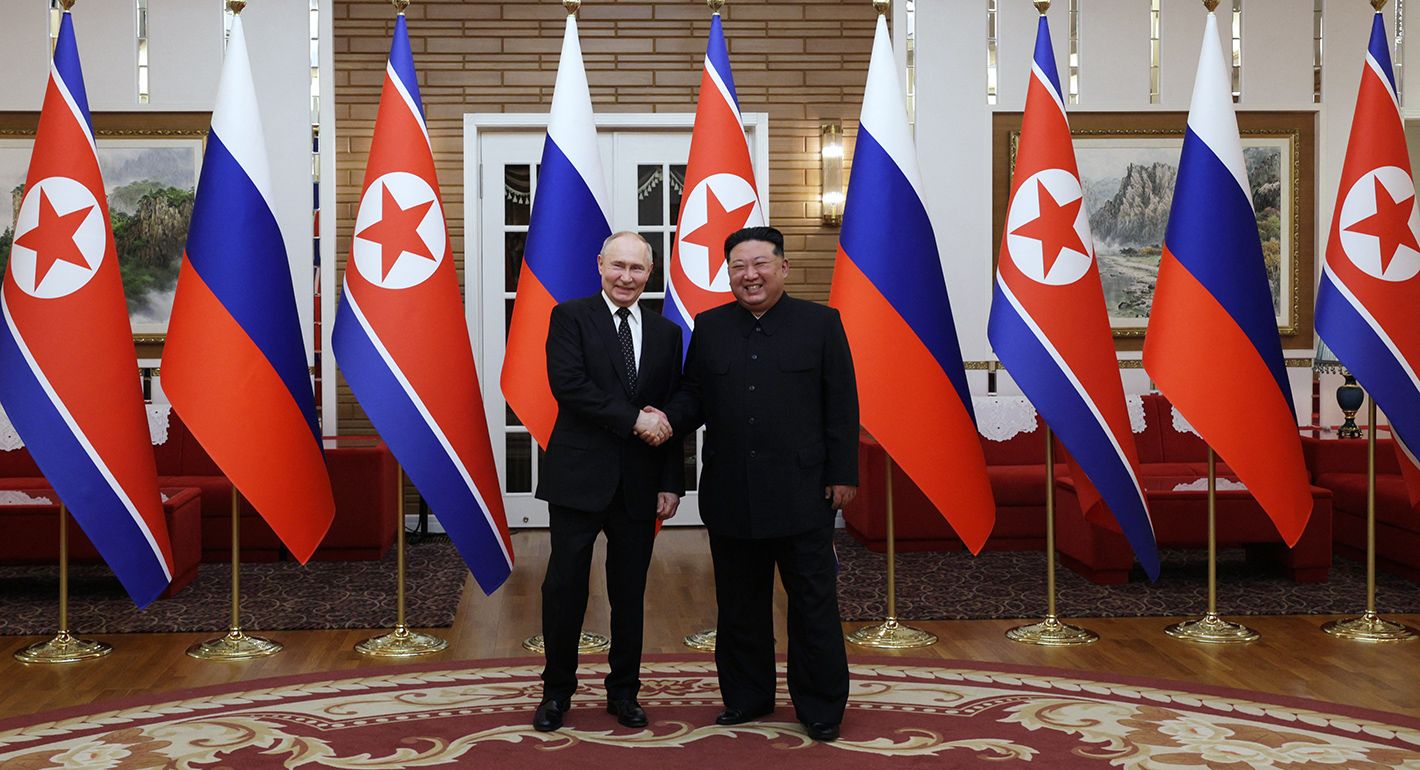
<point>766,234</point>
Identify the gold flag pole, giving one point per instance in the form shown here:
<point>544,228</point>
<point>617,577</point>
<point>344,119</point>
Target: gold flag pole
<point>890,634</point>
<point>400,643</point>
<point>1050,632</point>
<point>1370,627</point>
<point>63,648</point>
<point>1211,629</point>
<point>237,644</point>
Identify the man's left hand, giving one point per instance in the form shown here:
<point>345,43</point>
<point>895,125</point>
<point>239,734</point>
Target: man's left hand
<point>840,495</point>
<point>666,505</point>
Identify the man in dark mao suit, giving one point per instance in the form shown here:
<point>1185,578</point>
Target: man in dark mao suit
<point>609,468</point>
<point>771,378</point>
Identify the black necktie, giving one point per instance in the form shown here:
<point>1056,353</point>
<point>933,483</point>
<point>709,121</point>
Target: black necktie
<point>628,348</point>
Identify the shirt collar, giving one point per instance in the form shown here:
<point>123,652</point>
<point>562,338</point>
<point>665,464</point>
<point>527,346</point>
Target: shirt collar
<point>612,307</point>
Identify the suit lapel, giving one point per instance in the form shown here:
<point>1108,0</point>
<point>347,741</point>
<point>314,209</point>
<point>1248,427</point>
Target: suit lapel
<point>603,319</point>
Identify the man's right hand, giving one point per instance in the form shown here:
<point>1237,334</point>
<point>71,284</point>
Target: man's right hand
<point>652,426</point>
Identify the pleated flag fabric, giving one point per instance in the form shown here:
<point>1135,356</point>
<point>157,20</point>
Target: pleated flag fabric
<point>889,287</point>
<point>68,376</point>
<point>401,339</point>
<point>1049,324</point>
<point>1212,345</point>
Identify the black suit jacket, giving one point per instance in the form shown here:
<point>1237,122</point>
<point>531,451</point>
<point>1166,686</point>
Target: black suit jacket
<point>779,403</point>
<point>592,449</point>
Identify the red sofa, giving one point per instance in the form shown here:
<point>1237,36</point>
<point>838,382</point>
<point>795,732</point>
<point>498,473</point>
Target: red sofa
<point>362,473</point>
<point>1340,466</point>
<point>1169,457</point>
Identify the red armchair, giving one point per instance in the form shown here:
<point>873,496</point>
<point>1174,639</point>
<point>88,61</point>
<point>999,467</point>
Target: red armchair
<point>1340,466</point>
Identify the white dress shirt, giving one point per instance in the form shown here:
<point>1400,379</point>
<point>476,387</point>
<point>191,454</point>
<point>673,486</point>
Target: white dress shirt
<point>633,320</point>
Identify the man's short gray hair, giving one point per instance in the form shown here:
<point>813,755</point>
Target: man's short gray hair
<point>606,244</point>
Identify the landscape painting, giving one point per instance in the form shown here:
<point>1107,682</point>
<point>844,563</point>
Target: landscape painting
<point>150,184</point>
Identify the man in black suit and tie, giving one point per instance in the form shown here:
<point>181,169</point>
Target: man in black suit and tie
<point>771,378</point>
<point>609,468</point>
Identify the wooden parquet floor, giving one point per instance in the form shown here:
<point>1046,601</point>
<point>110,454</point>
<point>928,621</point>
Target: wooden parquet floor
<point>1292,658</point>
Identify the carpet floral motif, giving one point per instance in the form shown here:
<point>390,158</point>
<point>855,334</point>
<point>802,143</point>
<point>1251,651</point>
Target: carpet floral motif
<point>461,715</point>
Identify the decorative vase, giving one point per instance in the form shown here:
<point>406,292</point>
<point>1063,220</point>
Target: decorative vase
<point>1350,396</point>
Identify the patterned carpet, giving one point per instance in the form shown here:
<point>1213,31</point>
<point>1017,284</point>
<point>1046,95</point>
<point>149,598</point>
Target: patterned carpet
<point>954,585</point>
<point>901,713</point>
<point>275,596</point>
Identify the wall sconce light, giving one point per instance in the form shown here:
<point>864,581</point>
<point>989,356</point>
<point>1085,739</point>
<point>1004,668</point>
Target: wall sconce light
<point>831,157</point>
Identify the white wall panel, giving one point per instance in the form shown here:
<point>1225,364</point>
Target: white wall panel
<point>24,37</point>
<point>1180,35</point>
<point>1276,53</point>
<point>108,51</point>
<point>1114,54</point>
<point>184,53</point>
<point>1016,24</point>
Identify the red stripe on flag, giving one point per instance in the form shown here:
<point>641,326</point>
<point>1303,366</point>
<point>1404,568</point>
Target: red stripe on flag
<point>268,453</point>
<point>911,407</point>
<point>1204,363</point>
<point>524,378</point>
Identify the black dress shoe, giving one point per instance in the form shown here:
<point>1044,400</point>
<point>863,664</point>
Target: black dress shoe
<point>733,716</point>
<point>822,731</point>
<point>548,716</point>
<point>627,712</point>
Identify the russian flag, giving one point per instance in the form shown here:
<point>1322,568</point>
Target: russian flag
<point>400,336</point>
<point>235,365</point>
<point>1212,321</point>
<point>68,378</point>
<point>570,219</point>
<point>720,194</point>
<point>1049,324</point>
<point>1368,293</point>
<point>889,287</point>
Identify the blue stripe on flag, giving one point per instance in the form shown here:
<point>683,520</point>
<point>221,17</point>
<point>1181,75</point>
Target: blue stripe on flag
<point>1212,231</point>
<point>66,62</point>
<point>1069,416</point>
<point>402,62</point>
<point>1356,344</point>
<point>419,451</point>
<point>1045,54</point>
<point>71,471</point>
<point>566,229</point>
<point>1379,49</point>
<point>898,253</point>
<point>235,245</point>
<point>719,57</point>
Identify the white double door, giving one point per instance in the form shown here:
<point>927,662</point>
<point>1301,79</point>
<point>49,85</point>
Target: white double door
<point>644,162</point>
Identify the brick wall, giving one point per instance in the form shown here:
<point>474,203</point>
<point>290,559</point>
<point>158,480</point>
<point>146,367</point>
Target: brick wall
<point>798,60</point>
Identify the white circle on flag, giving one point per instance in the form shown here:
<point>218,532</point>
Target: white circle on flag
<point>62,218</point>
<point>395,247</point>
<point>1363,249</point>
<point>732,192</point>
<point>1028,252</point>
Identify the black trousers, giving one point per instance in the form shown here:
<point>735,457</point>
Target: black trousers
<point>564,594</point>
<point>744,644</point>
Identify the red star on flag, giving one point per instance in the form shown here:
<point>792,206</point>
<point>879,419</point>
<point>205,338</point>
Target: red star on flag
<point>1054,227</point>
<point>719,223</point>
<point>1390,224</point>
<point>397,231</point>
<point>52,240</point>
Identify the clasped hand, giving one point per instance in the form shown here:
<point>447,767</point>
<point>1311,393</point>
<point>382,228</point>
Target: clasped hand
<point>652,426</point>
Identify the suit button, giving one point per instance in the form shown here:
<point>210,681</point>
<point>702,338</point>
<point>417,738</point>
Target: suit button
<point>751,388</point>
<point>751,421</point>
<point>754,356</point>
<point>753,453</point>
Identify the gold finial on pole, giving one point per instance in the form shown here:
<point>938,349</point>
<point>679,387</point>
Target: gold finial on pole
<point>400,5</point>
<point>67,4</point>
<point>1042,5</point>
<point>1378,5</point>
<point>571,6</point>
<point>1211,5</point>
<point>715,5</point>
<point>236,6</point>
<point>882,6</point>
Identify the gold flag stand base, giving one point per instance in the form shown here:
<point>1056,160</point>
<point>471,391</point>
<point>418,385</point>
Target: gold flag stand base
<point>236,645</point>
<point>587,642</point>
<point>891,635</point>
<point>1370,627</point>
<point>1211,629</point>
<point>63,648</point>
<point>401,643</point>
<point>701,640</point>
<point>1052,633</point>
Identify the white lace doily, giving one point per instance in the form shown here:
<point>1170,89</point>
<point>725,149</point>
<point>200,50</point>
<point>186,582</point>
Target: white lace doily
<point>1002,418</point>
<point>1138,423</point>
<point>1201,485</point>
<point>12,497</point>
<point>1181,425</point>
<point>159,416</point>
